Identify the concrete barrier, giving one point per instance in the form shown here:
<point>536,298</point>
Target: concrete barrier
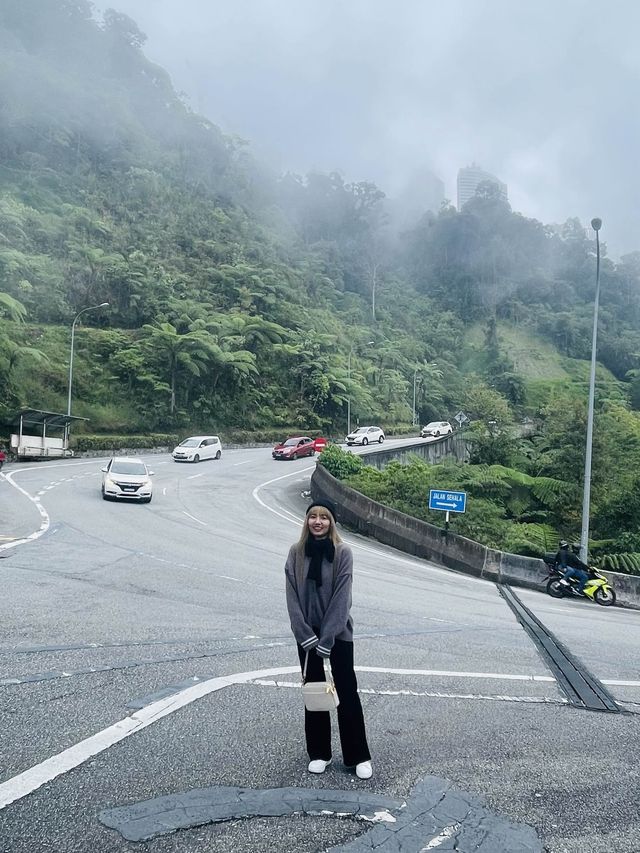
<point>417,537</point>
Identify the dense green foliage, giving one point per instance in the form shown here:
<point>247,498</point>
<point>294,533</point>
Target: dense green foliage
<point>248,304</point>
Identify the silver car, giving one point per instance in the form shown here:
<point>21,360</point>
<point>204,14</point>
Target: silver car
<point>127,479</point>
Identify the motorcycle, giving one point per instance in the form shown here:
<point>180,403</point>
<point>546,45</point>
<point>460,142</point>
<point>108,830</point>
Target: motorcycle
<point>597,587</point>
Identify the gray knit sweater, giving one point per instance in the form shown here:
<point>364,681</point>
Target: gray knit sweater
<point>325,608</point>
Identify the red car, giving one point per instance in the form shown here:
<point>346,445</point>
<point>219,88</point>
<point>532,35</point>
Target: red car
<point>294,448</point>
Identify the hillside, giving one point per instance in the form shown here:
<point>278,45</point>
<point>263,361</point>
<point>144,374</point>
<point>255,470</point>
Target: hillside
<point>240,300</point>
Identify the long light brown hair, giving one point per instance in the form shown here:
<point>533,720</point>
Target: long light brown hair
<point>306,533</point>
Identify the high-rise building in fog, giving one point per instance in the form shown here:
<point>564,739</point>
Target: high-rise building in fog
<point>470,177</point>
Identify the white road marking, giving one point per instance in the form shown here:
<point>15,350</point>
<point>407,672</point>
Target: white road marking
<point>35,777</point>
<point>164,490</point>
<point>203,523</point>
<point>388,556</point>
<point>446,833</point>
<point>227,578</point>
<point>454,674</point>
<point>44,526</point>
<point>195,476</point>
<point>246,462</point>
<point>429,694</point>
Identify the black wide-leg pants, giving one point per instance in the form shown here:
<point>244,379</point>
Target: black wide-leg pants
<point>317,724</point>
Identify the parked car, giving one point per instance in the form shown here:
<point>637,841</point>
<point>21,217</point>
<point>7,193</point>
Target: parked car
<point>127,479</point>
<point>436,428</point>
<point>294,448</point>
<point>365,435</point>
<point>198,447</point>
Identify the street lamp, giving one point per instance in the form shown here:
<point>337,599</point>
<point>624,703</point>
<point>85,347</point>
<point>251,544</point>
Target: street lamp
<point>596,224</point>
<point>369,343</point>
<point>415,414</point>
<point>73,332</point>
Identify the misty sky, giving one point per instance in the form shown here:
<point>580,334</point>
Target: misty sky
<point>545,94</point>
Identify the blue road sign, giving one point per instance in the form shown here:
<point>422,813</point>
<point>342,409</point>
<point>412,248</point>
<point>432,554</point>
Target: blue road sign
<point>448,501</point>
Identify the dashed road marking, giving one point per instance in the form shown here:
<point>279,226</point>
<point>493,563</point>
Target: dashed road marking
<point>195,476</point>
<point>203,523</point>
<point>431,694</point>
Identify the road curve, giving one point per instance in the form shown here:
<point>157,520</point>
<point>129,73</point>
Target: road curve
<point>116,607</point>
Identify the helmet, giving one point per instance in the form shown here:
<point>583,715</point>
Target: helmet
<point>563,544</point>
<point>576,547</point>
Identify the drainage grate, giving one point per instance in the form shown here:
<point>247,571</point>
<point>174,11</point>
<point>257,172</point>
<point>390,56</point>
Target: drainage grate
<point>581,688</point>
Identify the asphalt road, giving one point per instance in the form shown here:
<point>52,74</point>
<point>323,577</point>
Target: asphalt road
<point>177,608</point>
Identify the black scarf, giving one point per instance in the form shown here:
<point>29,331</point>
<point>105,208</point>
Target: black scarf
<point>318,549</point>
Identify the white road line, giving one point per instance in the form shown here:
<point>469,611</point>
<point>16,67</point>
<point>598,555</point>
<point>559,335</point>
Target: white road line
<point>460,578</point>
<point>203,523</point>
<point>429,694</point>
<point>30,780</point>
<point>164,490</point>
<point>246,462</point>
<point>44,525</point>
<point>38,775</point>
<point>446,833</point>
<point>227,578</point>
<point>454,674</point>
<point>195,476</point>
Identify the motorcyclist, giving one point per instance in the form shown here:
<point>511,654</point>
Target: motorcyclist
<point>574,567</point>
<point>560,559</point>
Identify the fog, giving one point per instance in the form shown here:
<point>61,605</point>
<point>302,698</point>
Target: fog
<point>543,95</point>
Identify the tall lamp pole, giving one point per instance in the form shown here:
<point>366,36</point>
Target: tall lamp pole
<point>415,414</point>
<point>369,343</point>
<point>596,224</point>
<point>73,332</point>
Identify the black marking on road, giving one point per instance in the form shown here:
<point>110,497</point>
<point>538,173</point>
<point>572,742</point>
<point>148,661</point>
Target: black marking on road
<point>582,689</point>
<point>436,815</point>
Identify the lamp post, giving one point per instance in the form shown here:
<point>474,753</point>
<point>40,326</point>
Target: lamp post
<point>73,332</point>
<point>369,343</point>
<point>596,224</point>
<point>415,414</point>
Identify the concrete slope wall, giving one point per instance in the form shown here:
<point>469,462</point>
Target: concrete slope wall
<point>453,446</point>
<point>413,536</point>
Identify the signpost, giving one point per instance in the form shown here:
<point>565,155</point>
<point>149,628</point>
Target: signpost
<point>447,501</point>
<point>461,418</point>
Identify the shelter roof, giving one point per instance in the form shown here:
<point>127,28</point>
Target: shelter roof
<point>38,418</point>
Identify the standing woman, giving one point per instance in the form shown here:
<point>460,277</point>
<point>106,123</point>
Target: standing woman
<point>319,577</point>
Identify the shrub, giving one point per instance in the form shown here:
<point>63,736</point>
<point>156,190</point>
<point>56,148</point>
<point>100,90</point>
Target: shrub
<point>121,442</point>
<point>340,463</point>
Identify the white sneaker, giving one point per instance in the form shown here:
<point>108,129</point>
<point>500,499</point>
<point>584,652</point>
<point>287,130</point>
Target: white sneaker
<point>364,770</point>
<point>318,765</point>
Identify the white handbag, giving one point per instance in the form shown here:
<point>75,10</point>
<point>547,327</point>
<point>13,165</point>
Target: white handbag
<point>318,695</point>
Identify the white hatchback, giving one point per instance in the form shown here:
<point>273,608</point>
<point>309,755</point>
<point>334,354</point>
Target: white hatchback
<point>198,447</point>
<point>365,435</point>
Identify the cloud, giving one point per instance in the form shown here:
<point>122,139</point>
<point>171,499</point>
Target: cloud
<point>544,95</point>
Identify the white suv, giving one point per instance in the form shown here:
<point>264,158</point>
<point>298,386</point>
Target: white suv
<point>127,479</point>
<point>198,447</point>
<point>365,435</point>
<point>436,429</point>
